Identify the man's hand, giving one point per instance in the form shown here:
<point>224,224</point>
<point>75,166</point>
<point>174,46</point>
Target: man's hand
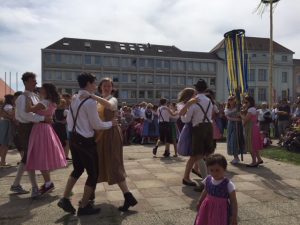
<point>48,119</point>
<point>115,122</point>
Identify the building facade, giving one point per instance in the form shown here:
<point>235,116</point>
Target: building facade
<point>258,75</point>
<point>296,78</point>
<point>140,72</point>
<point>145,72</point>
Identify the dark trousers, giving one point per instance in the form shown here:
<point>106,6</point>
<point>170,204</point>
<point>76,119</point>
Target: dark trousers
<point>84,156</point>
<point>23,131</point>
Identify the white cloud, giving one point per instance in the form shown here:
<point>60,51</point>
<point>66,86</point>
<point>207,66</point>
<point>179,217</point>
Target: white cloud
<point>195,25</point>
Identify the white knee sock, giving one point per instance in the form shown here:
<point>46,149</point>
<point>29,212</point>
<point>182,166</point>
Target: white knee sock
<point>32,178</point>
<point>19,174</point>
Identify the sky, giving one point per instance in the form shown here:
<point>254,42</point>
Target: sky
<point>27,26</point>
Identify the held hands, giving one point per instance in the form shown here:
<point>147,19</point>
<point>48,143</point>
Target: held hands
<point>48,119</point>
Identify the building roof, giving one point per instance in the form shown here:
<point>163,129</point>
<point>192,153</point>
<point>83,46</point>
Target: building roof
<point>5,89</point>
<point>296,62</point>
<point>257,44</point>
<point>87,45</point>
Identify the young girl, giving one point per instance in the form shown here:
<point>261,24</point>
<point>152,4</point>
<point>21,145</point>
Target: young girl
<point>252,135</point>
<point>45,151</point>
<point>213,205</point>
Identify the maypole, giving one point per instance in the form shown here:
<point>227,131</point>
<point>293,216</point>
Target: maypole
<point>236,60</point>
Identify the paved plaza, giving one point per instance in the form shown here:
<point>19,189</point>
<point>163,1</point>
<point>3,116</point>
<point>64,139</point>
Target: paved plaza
<point>267,195</point>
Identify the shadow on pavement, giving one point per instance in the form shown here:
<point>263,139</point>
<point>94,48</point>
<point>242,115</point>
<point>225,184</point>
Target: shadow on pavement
<point>109,215</point>
<point>18,210</point>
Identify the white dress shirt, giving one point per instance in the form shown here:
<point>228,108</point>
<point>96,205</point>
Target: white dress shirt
<point>27,117</point>
<point>163,114</point>
<point>195,114</point>
<point>88,118</point>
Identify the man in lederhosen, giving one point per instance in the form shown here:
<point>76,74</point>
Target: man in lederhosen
<point>200,114</point>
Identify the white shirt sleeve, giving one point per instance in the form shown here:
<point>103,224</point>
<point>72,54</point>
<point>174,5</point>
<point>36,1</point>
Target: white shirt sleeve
<point>114,102</point>
<point>24,117</point>
<point>230,187</point>
<point>94,120</point>
<point>252,110</point>
<point>66,112</point>
<point>8,108</point>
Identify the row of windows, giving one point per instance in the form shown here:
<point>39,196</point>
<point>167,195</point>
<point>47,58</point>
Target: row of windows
<point>262,93</point>
<point>263,76</point>
<point>284,58</point>
<point>131,78</point>
<point>129,62</point>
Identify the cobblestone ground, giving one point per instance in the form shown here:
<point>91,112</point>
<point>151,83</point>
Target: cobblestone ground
<point>266,195</point>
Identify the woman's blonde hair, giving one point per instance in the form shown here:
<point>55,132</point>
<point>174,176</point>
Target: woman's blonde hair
<point>186,94</point>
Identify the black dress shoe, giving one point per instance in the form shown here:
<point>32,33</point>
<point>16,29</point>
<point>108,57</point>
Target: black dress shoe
<point>260,162</point>
<point>189,183</point>
<point>66,205</point>
<point>129,202</point>
<point>87,210</point>
<point>166,153</point>
<point>252,165</point>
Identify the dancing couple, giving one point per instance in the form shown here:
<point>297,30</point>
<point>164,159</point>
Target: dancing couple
<point>101,157</point>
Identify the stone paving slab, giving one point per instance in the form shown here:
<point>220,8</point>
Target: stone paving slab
<point>269,194</point>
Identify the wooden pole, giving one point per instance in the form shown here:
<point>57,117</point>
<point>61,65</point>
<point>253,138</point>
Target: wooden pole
<point>271,57</point>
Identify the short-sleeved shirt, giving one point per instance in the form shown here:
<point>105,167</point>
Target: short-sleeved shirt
<point>252,110</point>
<point>230,185</point>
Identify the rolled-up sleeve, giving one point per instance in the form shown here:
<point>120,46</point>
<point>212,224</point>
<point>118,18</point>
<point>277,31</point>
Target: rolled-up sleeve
<point>23,116</point>
<point>94,120</point>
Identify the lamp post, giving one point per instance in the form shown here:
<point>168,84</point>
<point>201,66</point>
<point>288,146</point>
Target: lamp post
<point>270,3</point>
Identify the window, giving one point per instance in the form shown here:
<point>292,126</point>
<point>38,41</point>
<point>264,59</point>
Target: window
<point>115,77</point>
<point>111,61</point>
<point>253,55</point>
<point>158,63</point>
<point>123,94</point>
<point>211,67</point>
<point>149,79</point>
<point>133,78</point>
<point>107,46</point>
<point>132,94</point>
<point>88,59</point>
<point>150,94</point>
<point>68,75</point>
<point>262,75</point>
<point>178,65</point>
<point>48,57</point>
<point>174,94</point>
<point>189,81</point>
<point>158,94</point>
<point>166,64</point>
<point>212,82</point>
<point>77,59</point>
<point>251,75</point>
<point>97,60</point>
<point>146,63</point>
<point>204,67</point>
<point>68,90</point>
<point>141,79</point>
<point>196,66</point>
<point>162,79</point>
<point>251,92</point>
<point>124,78</point>
<point>283,94</point>
<point>141,94</point>
<point>262,94</point>
<point>57,75</point>
<point>298,79</point>
<point>284,77</point>
<point>123,48</point>
<point>165,94</point>
<point>58,58</point>
<point>284,58</point>
<point>177,80</point>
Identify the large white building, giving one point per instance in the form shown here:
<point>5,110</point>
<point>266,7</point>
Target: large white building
<point>149,72</point>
